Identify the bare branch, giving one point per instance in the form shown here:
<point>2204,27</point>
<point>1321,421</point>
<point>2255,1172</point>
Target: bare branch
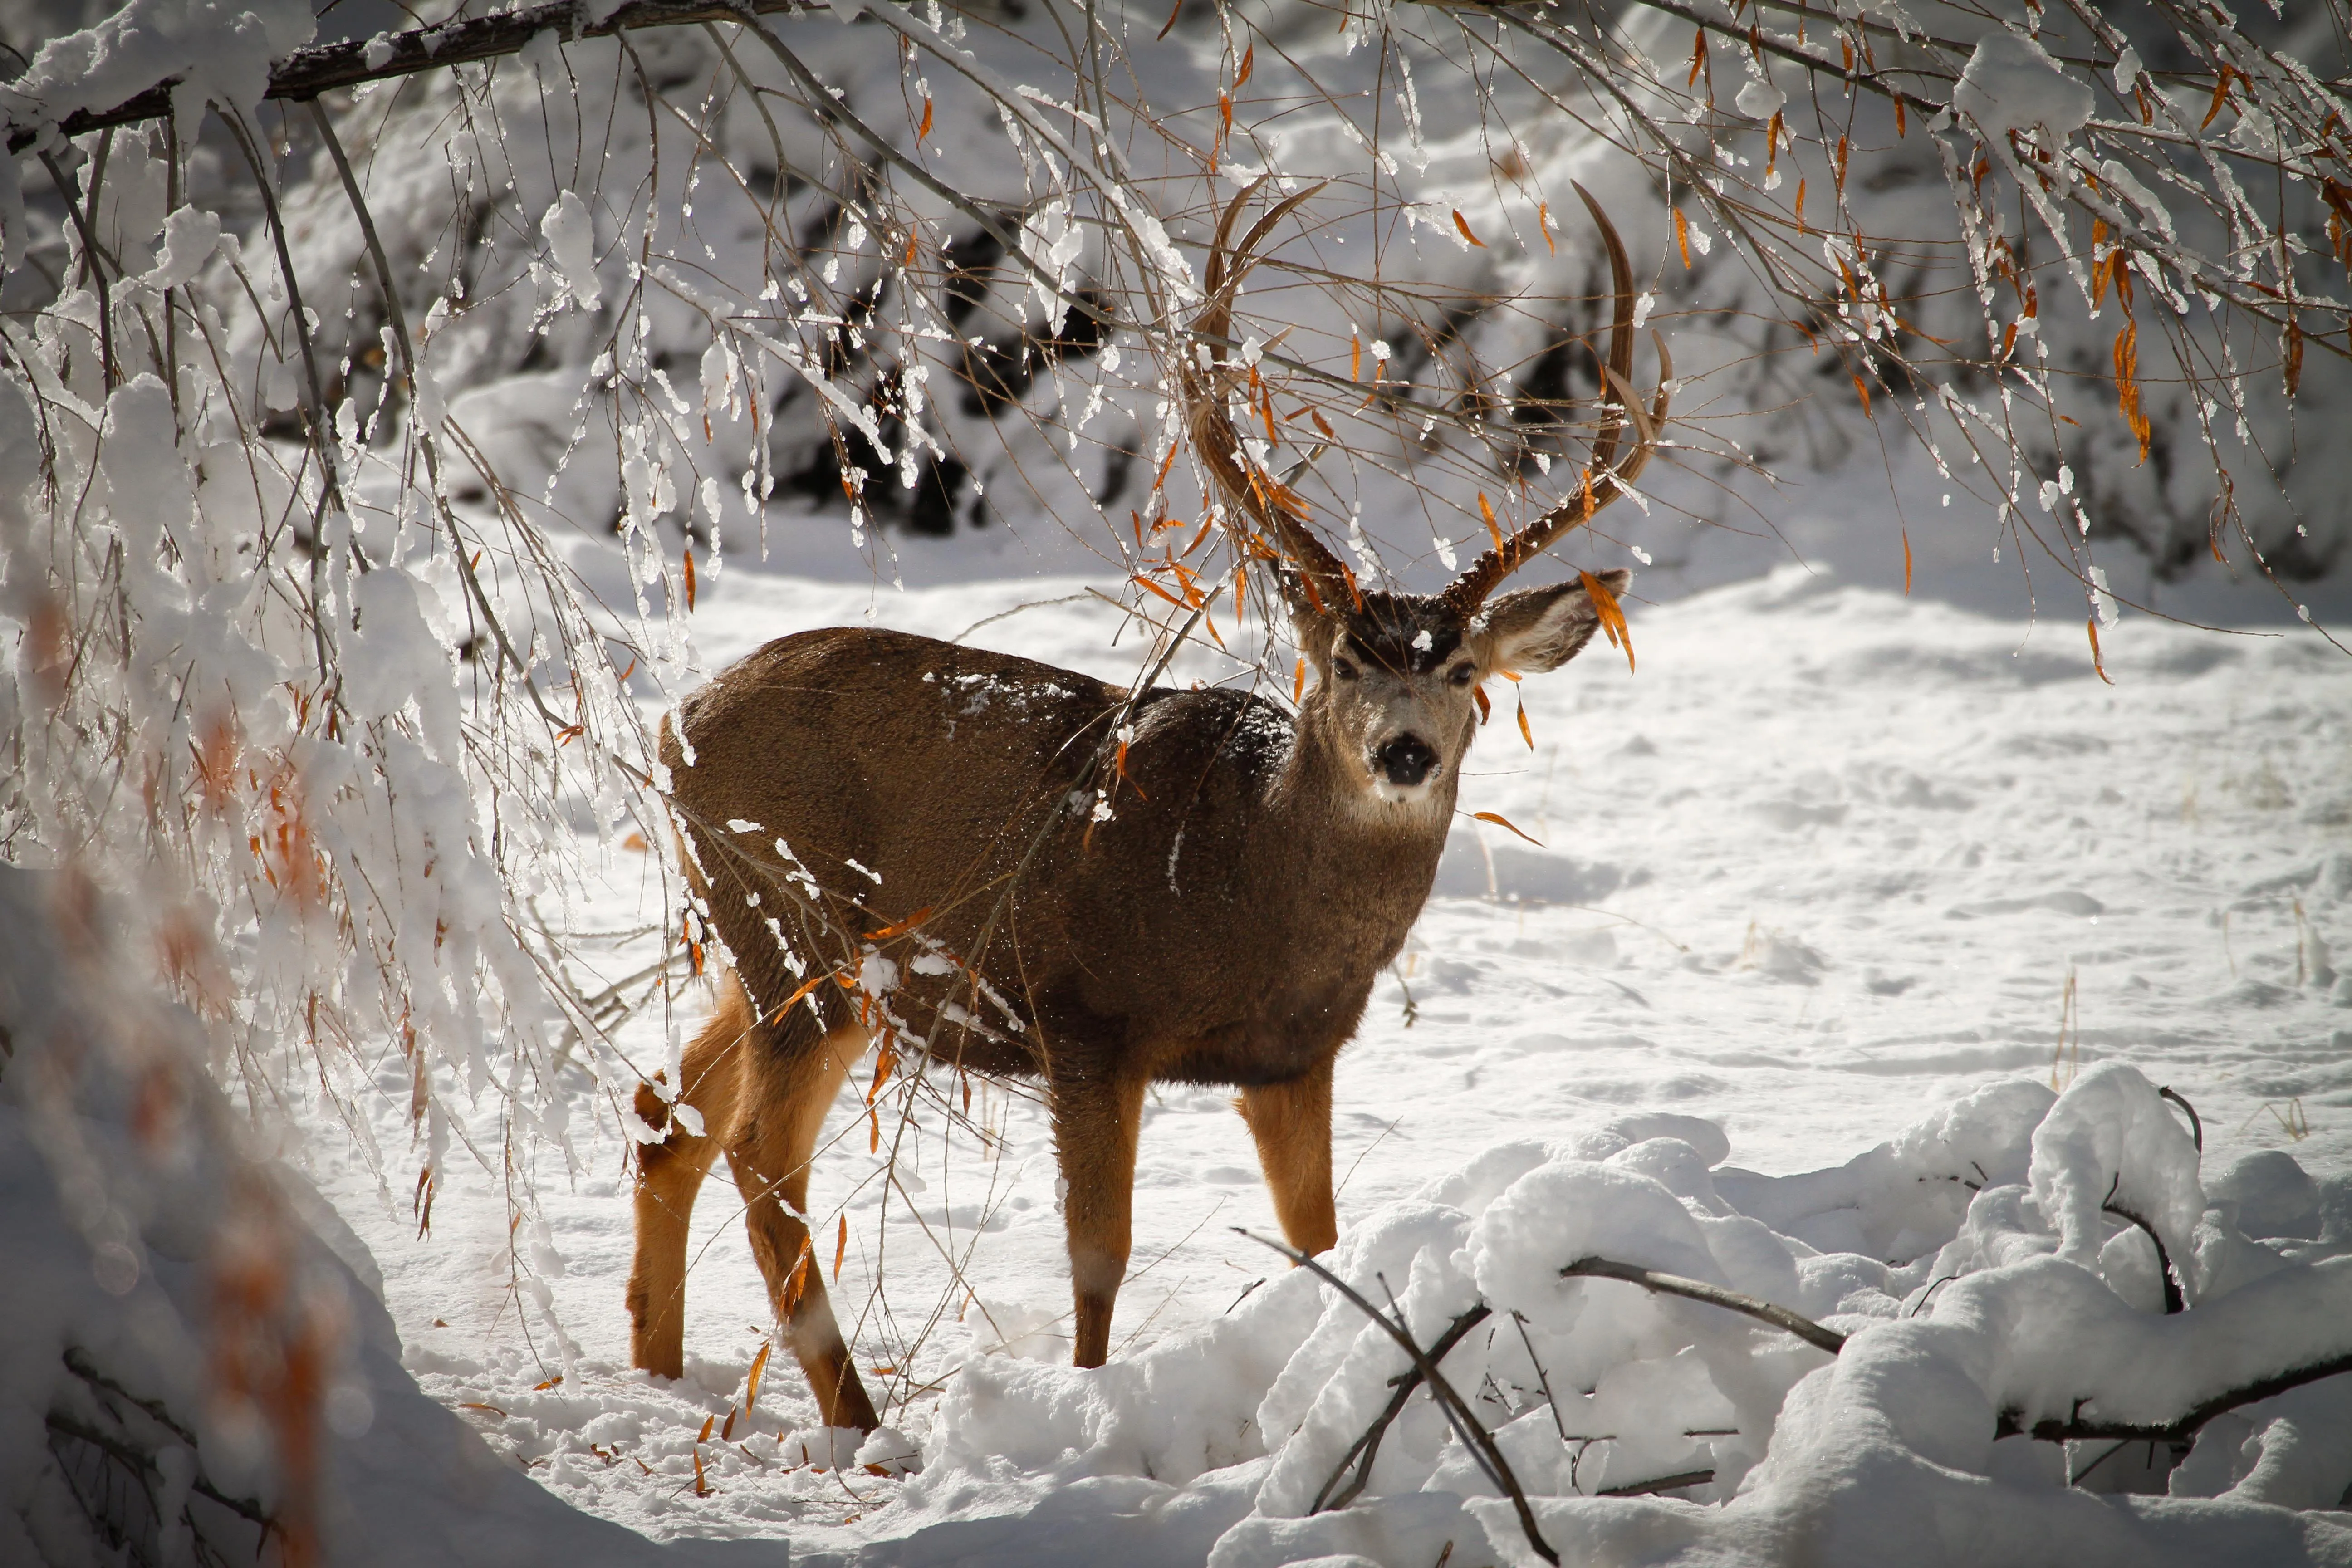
<point>1804,1327</point>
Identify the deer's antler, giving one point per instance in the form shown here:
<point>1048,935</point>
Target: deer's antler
<point>1605,478</point>
<point>1312,578</point>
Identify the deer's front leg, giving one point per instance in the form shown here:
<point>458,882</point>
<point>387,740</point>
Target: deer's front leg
<point>1292,1124</point>
<point>1094,1125</point>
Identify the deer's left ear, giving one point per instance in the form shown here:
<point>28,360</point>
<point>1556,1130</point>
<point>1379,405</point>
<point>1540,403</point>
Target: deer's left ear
<point>1535,629</point>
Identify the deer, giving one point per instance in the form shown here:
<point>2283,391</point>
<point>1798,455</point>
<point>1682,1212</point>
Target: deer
<point>1084,887</point>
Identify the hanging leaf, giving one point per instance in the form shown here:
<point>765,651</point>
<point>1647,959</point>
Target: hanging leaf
<point>2097,663</point>
<point>1499,820</point>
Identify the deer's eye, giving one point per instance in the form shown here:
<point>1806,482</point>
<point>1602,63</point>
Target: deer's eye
<point>1342,670</point>
<point>1461,674</point>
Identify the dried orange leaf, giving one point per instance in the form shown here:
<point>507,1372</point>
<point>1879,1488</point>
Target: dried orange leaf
<point>1906,562</point>
<point>1525,733</point>
<point>2220,95</point>
<point>910,923</point>
<point>759,1366</point>
<point>1464,225</point>
<point>1499,820</point>
<point>925,129</point>
<point>1487,511</point>
<point>1612,615</point>
<point>1142,580</point>
<point>2092,625</point>
<point>840,1248</point>
<point>1249,59</point>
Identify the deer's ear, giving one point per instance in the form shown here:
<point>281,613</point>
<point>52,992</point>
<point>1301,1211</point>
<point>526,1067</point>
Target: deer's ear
<point>1535,629</point>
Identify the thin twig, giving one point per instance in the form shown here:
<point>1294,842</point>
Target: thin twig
<point>1475,1438</point>
<point>1662,1484</point>
<point>1334,1495</point>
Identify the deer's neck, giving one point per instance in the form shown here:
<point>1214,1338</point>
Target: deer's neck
<point>1375,855</point>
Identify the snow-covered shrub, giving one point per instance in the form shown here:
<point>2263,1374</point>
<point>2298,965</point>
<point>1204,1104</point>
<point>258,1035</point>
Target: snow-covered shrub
<point>1995,1282</point>
<point>333,738</point>
<point>196,1368</point>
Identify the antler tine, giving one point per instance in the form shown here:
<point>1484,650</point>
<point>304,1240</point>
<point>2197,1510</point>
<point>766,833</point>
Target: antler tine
<point>1315,577</point>
<point>1606,478</point>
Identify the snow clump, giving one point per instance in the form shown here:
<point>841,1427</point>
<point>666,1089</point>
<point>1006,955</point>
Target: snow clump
<point>2010,83</point>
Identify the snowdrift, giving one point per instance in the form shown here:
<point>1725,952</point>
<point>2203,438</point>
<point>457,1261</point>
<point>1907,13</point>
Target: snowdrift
<point>1999,1265</point>
<point>195,1367</point>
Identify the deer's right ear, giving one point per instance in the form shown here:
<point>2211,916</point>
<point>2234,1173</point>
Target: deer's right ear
<point>1536,629</point>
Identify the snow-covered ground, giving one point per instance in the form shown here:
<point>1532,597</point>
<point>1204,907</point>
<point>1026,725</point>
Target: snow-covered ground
<point>1827,862</point>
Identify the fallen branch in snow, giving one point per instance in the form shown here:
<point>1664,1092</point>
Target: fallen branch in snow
<point>1334,1495</point>
<point>2076,1430</point>
<point>2196,1122</point>
<point>1475,1438</point>
<point>1662,1484</point>
<point>1804,1327</point>
<point>2174,1300</point>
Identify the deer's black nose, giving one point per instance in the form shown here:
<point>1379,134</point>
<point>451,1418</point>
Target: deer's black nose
<point>1405,760</point>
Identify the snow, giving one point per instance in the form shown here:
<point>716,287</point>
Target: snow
<point>571,240</point>
<point>218,51</point>
<point>1812,884</point>
<point>2010,83</point>
<point>151,1244</point>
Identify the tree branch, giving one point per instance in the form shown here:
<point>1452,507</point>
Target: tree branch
<point>307,73</point>
<point>2074,1429</point>
<point>1804,1327</point>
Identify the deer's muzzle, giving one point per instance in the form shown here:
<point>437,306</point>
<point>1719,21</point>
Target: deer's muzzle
<point>1405,760</point>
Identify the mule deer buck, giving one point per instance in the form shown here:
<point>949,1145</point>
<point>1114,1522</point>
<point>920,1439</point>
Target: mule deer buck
<point>844,794</point>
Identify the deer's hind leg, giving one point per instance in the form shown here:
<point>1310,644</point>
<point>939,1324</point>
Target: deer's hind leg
<point>794,1077</point>
<point>1291,1123</point>
<point>670,1173</point>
